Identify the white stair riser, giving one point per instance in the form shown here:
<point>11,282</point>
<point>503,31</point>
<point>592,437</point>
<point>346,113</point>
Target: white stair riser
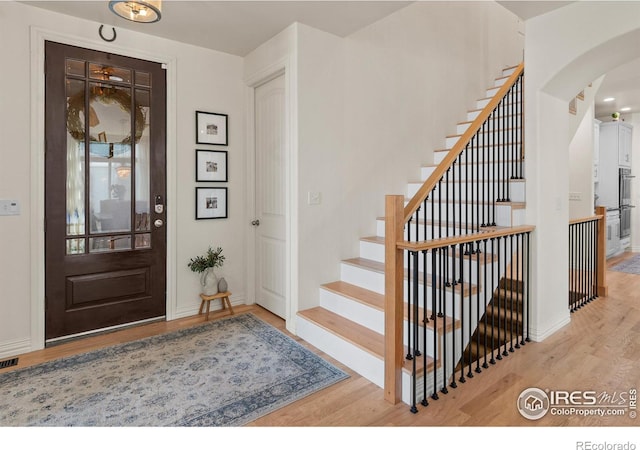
<point>362,362</point>
<point>461,191</point>
<point>507,72</point>
<point>372,281</point>
<point>471,115</point>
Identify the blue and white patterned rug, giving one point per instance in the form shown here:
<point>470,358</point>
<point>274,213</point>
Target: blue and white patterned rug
<point>223,373</point>
<point>631,265</point>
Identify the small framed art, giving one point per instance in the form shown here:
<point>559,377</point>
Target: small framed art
<point>211,203</point>
<point>211,165</point>
<point>211,128</point>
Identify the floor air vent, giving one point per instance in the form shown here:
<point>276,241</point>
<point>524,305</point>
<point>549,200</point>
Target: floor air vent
<point>8,363</point>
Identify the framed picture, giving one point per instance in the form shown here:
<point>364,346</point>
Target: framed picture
<point>211,128</point>
<point>211,203</point>
<point>211,165</point>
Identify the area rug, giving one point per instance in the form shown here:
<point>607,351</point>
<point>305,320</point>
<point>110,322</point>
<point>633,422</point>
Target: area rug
<point>631,265</point>
<point>223,373</point>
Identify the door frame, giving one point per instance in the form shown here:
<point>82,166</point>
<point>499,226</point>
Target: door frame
<point>37,196</point>
<point>281,67</point>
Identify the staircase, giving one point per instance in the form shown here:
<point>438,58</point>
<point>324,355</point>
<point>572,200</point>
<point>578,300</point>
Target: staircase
<point>349,323</point>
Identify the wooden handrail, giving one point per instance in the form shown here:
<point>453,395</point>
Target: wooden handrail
<point>458,148</point>
<point>464,239</point>
<point>586,219</point>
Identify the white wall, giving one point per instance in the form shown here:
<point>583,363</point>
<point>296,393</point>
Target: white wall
<point>371,108</point>
<point>199,79</point>
<point>565,50</point>
<point>581,168</point>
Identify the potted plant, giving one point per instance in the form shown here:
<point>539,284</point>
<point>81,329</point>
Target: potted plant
<point>205,265</point>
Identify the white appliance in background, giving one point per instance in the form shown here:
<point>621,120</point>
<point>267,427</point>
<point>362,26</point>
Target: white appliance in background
<point>613,182</point>
<point>625,179</point>
<point>613,233</point>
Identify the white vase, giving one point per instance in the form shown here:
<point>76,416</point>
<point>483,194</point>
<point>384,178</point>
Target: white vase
<point>209,282</point>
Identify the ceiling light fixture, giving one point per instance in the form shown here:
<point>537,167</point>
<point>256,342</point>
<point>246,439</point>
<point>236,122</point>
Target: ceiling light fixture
<point>609,99</point>
<point>148,11</point>
<point>625,109</point>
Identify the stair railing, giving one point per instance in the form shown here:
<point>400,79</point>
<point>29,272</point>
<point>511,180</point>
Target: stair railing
<point>459,198</point>
<point>447,307</point>
<point>587,259</point>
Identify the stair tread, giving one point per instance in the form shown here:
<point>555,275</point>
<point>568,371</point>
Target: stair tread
<point>358,335</point>
<point>484,146</point>
<point>376,301</point>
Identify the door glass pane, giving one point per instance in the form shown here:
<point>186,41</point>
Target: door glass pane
<point>108,73</point>
<point>109,243</point>
<point>143,198</point>
<point>143,78</point>
<point>75,67</point>
<point>110,158</point>
<point>75,157</point>
<point>143,240</point>
<point>75,246</point>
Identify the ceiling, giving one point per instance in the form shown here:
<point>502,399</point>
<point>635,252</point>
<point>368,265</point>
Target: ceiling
<point>238,27</point>
<point>235,27</point>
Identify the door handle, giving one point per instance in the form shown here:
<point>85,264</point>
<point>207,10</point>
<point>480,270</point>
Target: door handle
<point>255,223</point>
<point>158,223</point>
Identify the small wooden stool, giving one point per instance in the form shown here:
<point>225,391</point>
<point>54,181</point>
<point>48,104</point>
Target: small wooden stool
<point>223,296</point>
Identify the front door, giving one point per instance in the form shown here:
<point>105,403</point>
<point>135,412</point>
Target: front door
<point>271,241</point>
<point>105,244</point>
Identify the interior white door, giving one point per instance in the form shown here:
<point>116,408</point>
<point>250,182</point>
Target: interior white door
<point>270,145</point>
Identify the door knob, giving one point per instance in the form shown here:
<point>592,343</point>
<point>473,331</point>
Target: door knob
<point>256,223</point>
<point>158,223</point>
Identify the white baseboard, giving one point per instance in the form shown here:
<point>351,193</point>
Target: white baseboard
<point>541,335</point>
<point>13,348</point>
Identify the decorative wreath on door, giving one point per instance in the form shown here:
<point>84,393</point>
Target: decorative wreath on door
<point>107,95</point>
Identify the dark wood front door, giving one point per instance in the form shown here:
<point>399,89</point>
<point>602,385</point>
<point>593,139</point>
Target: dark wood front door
<point>105,181</point>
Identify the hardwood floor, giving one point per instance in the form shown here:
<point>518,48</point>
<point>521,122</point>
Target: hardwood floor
<point>598,351</point>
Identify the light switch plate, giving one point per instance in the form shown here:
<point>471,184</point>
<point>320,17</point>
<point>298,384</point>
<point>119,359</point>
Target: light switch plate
<point>9,208</point>
<point>314,198</point>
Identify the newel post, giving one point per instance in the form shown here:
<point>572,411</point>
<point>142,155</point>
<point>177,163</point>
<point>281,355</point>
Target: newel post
<point>393,298</point>
<point>602,288</point>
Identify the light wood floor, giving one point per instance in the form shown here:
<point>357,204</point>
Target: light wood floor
<point>599,350</point>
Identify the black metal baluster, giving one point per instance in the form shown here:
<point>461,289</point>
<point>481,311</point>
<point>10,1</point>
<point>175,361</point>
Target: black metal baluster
<point>522,288</point>
<point>518,288</point>
<point>511,283</point>
<point>416,353</point>
<point>485,145</point>
<point>440,207</point>
<point>447,200</point>
<point>466,189</point>
<point>425,320</point>
<point>595,257</point>
<point>477,319</point>
<point>499,298</point>
<point>571,267</point>
<point>494,176</point>
<point>434,259</point>
<point>506,313</point>
<point>445,356</point>
<point>494,298</point>
<point>528,339</point>
<point>470,298</point>
<point>408,355</point>
<point>580,271</point>
<point>462,300</point>
<point>485,289</point>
